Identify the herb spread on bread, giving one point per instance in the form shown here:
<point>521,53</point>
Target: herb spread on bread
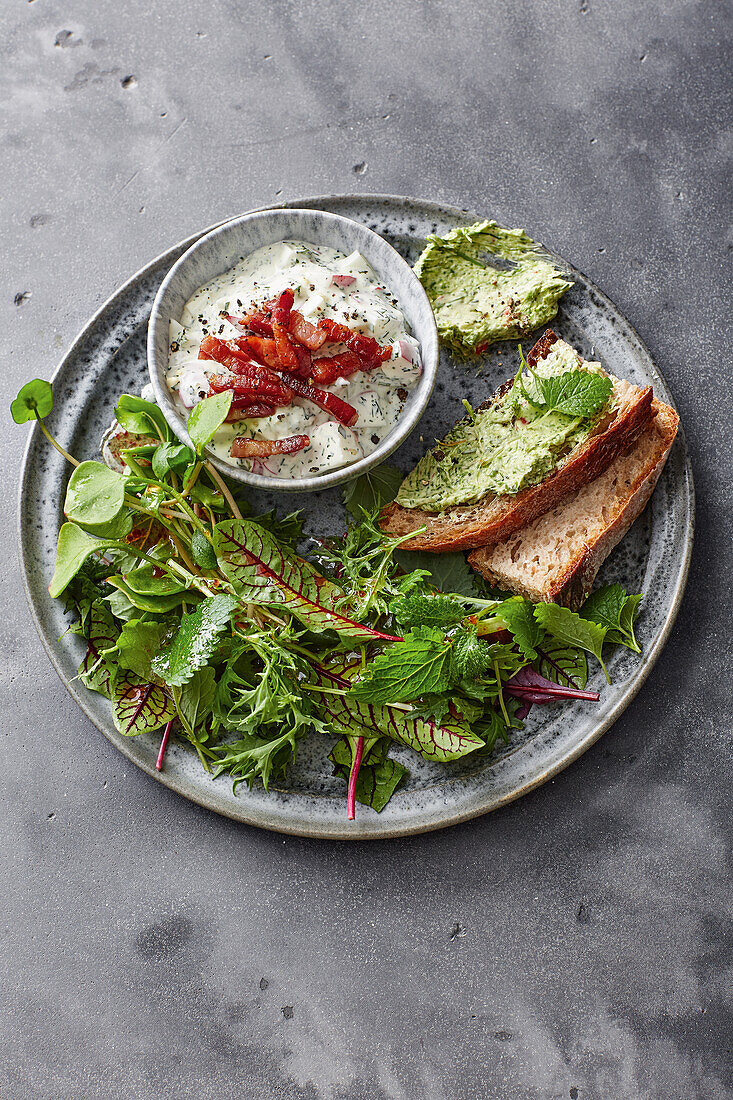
<point>518,439</point>
<point>477,296</point>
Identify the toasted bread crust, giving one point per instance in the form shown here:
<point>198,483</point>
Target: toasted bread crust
<point>570,583</point>
<point>491,520</point>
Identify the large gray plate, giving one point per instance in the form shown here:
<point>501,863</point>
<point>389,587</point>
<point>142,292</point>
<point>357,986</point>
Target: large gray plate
<point>109,356</point>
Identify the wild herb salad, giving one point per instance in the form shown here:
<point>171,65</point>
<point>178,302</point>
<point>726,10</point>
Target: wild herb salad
<point>213,626</point>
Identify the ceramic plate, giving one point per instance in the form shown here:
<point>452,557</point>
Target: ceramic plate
<point>109,356</point>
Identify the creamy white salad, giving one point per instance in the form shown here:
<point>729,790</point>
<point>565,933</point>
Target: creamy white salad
<point>326,284</point>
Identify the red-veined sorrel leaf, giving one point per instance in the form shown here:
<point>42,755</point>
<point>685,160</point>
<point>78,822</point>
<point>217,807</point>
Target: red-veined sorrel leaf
<point>95,671</point>
<point>530,687</point>
<point>441,741</point>
<point>138,707</point>
<point>263,571</point>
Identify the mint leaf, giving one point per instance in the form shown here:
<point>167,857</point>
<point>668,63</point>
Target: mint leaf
<point>518,614</point>
<point>207,417</point>
<point>195,641</point>
<point>575,393</point>
<point>419,664</point>
<point>372,490</point>
<point>568,627</point>
<point>379,775</point>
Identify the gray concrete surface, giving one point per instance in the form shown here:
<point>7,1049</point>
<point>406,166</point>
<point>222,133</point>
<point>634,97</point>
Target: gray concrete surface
<point>577,943</point>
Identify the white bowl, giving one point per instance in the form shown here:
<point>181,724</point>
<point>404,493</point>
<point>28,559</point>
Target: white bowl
<point>221,249</point>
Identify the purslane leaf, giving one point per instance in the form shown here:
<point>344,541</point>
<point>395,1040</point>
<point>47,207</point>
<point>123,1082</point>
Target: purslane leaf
<point>195,641</point>
<point>138,707</point>
<point>207,417</point>
<point>34,401</point>
<point>95,495</point>
<point>264,572</point>
<point>73,548</point>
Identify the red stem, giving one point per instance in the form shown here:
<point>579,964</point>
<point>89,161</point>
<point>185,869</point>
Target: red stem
<point>163,743</point>
<point>353,776</point>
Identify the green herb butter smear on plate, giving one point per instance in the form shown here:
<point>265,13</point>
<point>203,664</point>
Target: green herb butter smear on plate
<point>486,283</point>
<point>518,439</point>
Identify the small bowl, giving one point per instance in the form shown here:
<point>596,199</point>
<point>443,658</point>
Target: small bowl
<point>223,248</point>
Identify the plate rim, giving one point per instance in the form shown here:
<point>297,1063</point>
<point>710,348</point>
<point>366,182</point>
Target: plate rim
<point>324,831</point>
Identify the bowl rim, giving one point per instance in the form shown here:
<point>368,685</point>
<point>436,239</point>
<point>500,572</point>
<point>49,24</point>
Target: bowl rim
<point>315,482</point>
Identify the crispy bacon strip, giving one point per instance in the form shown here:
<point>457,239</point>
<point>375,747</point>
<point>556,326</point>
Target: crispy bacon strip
<point>327,370</point>
<point>260,348</point>
<point>344,412</point>
<point>258,322</point>
<point>366,347</point>
<point>262,448</point>
<point>304,361</point>
<point>249,412</point>
<point>282,307</point>
<point>285,351</point>
<point>304,333</point>
<point>252,387</point>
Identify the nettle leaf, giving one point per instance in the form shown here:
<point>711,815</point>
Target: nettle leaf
<point>575,393</point>
<point>372,490</point>
<point>34,401</point>
<point>138,707</point>
<point>419,609</point>
<point>95,495</point>
<point>447,572</point>
<point>379,775</point>
<point>73,548</point>
<point>264,572</point>
<point>612,607</point>
<point>448,739</point>
<point>195,641</point>
<point>518,614</point>
<point>564,664</point>
<point>97,669</point>
<point>469,657</point>
<point>420,664</point>
<point>207,417</point>
<point>141,417</point>
<point>568,627</point>
<point>138,643</point>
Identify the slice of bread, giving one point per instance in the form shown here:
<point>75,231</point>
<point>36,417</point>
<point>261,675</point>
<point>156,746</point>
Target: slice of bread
<point>556,558</point>
<point>494,518</point>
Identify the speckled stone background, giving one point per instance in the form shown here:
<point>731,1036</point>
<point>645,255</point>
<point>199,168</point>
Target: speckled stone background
<point>576,944</point>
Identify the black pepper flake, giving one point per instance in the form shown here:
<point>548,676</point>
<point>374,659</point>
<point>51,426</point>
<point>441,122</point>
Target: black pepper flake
<point>438,455</point>
<point>175,346</point>
<point>239,303</point>
<point>402,394</point>
<point>375,438</point>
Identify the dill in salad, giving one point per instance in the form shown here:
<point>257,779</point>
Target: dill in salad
<point>239,637</point>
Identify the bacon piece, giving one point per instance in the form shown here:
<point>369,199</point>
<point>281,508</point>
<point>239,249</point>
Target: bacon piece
<point>304,333</point>
<point>262,448</point>
<point>249,412</point>
<point>260,348</point>
<point>258,322</point>
<point>327,370</point>
<point>227,352</point>
<point>366,347</point>
<point>285,351</point>
<point>282,307</point>
<point>344,412</point>
<point>305,361</point>
<point>253,388</point>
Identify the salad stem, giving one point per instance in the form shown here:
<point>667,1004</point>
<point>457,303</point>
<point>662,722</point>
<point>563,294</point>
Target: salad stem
<point>353,776</point>
<point>163,743</point>
<point>216,476</point>
<point>58,446</point>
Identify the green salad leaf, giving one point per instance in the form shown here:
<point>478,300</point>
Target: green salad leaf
<point>34,401</point>
<point>370,492</point>
<point>379,775</point>
<point>207,417</point>
<point>195,641</point>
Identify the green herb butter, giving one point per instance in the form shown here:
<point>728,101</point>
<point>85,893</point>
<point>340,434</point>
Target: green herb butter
<point>512,444</point>
<point>476,303</point>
